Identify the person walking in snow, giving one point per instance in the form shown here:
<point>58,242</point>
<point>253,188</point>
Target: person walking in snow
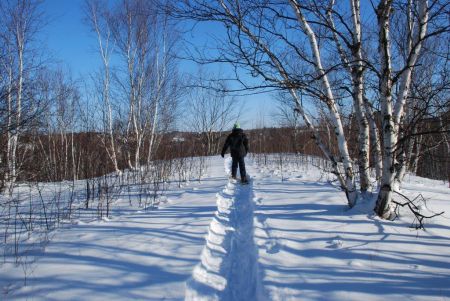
<point>238,143</point>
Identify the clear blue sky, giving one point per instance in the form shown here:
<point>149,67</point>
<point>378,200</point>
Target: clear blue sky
<point>67,37</point>
<point>71,43</point>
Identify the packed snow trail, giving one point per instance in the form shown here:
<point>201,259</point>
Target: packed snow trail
<point>228,269</point>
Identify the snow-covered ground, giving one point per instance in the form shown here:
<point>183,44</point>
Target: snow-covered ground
<point>274,239</point>
<point>313,248</point>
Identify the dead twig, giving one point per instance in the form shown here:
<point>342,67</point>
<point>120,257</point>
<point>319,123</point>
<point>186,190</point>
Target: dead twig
<point>418,222</point>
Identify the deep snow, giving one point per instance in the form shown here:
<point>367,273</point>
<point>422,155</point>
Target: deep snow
<point>290,239</point>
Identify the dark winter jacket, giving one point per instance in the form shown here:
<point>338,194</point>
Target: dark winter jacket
<point>237,142</point>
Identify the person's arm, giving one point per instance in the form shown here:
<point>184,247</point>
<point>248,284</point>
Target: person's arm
<point>246,143</point>
<point>225,146</point>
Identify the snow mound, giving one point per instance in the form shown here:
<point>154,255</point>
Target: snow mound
<point>228,265</point>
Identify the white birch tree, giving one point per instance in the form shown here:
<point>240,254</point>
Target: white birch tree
<point>98,17</point>
<point>287,45</point>
<point>21,20</point>
<point>392,106</point>
<point>145,42</point>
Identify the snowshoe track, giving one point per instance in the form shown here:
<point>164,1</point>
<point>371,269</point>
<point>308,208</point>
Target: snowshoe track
<point>228,269</point>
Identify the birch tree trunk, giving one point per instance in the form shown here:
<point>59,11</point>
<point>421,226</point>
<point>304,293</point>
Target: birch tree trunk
<point>327,153</point>
<point>383,205</point>
<point>160,82</point>
<point>19,36</point>
<point>392,115</point>
<point>10,126</point>
<point>355,67</point>
<point>374,141</point>
<point>358,92</point>
<point>20,22</point>
<point>415,162</point>
<point>100,24</point>
<point>330,101</point>
<point>153,132</point>
<point>407,155</point>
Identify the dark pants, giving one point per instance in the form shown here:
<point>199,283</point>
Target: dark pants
<point>234,165</point>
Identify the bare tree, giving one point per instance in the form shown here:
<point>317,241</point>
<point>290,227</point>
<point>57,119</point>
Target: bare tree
<point>211,112</point>
<point>145,41</point>
<point>290,119</point>
<point>21,21</point>
<point>252,30</point>
<point>293,45</point>
<point>422,23</point>
<point>164,83</point>
<point>354,61</point>
<point>99,20</point>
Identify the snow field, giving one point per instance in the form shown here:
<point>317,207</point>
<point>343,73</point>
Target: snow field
<point>286,236</point>
<point>135,254</point>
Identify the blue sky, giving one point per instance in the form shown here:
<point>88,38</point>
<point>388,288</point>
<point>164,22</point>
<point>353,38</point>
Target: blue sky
<point>67,37</point>
<point>70,42</point>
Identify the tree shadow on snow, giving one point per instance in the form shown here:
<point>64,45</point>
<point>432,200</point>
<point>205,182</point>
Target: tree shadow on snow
<point>121,259</point>
<point>333,250</point>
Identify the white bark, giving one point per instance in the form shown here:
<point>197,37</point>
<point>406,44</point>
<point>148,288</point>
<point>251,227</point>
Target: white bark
<point>153,132</point>
<point>72,148</point>
<point>330,101</point>
<point>392,115</point>
<point>383,206</point>
<point>10,126</point>
<point>374,140</point>
<point>415,45</point>
<point>414,42</point>
<point>134,40</point>
<point>19,37</point>
<point>415,162</point>
<point>317,138</point>
<point>355,67</point>
<point>358,91</point>
<point>104,40</point>
<point>161,72</point>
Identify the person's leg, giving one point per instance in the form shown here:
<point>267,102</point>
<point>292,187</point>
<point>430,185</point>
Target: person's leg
<point>242,169</point>
<point>234,165</point>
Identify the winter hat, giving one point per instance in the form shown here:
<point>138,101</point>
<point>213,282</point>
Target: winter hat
<point>236,126</point>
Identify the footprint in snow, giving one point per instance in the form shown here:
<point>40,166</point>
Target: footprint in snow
<point>261,218</point>
<point>272,247</point>
<point>356,263</point>
<point>336,243</point>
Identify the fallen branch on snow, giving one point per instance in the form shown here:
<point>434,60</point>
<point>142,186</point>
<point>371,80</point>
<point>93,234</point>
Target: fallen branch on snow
<point>418,222</point>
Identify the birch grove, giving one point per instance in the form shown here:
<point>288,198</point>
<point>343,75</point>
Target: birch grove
<point>141,41</point>
<point>368,79</point>
<point>327,51</point>
<point>20,23</point>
